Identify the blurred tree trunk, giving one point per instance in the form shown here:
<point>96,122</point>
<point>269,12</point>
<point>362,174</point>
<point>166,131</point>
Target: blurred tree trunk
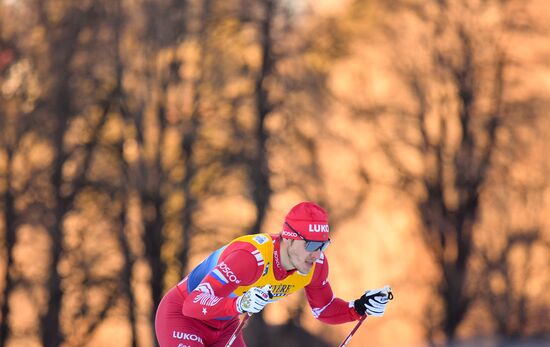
<point>9,244</point>
<point>123,226</point>
<point>449,225</point>
<point>165,28</point>
<point>259,165</point>
<point>127,267</point>
<point>190,138</point>
<point>62,45</point>
<point>8,141</point>
<point>141,177</point>
<point>148,184</point>
<point>449,228</point>
<point>258,170</point>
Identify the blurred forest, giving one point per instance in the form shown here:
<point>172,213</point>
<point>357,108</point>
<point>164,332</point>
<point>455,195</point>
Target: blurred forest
<point>136,136</point>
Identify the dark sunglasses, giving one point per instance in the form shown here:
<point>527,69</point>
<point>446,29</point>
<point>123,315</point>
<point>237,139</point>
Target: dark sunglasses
<point>311,246</point>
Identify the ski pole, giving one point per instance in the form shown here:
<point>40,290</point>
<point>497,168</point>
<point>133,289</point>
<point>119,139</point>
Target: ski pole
<point>362,319</point>
<point>346,341</point>
<point>238,330</point>
<point>245,319</point>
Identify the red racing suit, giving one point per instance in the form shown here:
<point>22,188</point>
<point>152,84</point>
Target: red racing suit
<point>201,309</point>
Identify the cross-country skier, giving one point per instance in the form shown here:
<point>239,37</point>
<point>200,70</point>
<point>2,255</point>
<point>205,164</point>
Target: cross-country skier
<point>254,270</point>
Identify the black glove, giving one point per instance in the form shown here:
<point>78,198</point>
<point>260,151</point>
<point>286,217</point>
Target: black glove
<point>373,302</point>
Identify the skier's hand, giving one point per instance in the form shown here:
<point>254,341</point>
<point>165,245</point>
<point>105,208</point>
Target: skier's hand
<point>373,302</point>
<point>254,300</point>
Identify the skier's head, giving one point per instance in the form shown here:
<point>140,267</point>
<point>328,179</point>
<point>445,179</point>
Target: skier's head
<point>306,221</point>
<point>304,237</point>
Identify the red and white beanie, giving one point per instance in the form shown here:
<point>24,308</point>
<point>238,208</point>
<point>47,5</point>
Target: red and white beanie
<point>309,219</point>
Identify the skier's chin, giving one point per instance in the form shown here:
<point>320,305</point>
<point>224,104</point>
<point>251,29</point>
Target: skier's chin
<point>306,266</point>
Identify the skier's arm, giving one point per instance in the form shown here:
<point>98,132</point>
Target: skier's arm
<point>213,297</point>
<point>324,305</point>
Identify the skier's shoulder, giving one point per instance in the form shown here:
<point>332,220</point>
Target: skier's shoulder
<point>249,244</point>
<point>253,243</point>
<point>244,257</point>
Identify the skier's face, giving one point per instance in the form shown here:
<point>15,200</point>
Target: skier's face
<point>300,258</point>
